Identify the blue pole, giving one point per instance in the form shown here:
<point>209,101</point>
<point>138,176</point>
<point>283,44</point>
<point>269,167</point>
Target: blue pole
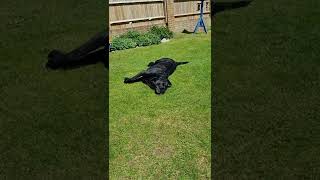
<point>200,22</point>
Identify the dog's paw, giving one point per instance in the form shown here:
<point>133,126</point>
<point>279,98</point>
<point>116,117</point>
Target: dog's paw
<point>126,80</point>
<point>55,59</point>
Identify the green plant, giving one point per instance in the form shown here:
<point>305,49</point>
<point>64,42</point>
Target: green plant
<point>147,39</point>
<point>153,37</point>
<point>131,34</point>
<point>121,43</point>
<point>133,38</point>
<point>161,31</point>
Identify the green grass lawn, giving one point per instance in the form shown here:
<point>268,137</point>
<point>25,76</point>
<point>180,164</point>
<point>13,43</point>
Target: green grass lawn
<point>52,124</point>
<point>167,136</point>
<point>267,74</point>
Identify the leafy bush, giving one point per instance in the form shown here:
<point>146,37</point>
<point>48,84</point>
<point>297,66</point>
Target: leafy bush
<point>143,40</point>
<point>132,38</point>
<point>131,34</point>
<point>121,43</point>
<point>147,39</point>
<point>161,31</point>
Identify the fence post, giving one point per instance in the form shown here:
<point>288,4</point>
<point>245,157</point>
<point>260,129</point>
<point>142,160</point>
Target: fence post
<point>170,14</point>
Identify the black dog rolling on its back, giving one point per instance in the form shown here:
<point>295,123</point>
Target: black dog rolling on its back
<point>156,76</point>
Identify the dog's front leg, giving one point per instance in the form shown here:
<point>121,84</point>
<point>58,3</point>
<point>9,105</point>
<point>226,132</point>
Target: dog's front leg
<point>99,40</point>
<point>91,48</point>
<point>135,78</point>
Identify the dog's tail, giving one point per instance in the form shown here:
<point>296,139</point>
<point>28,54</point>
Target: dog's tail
<point>180,63</point>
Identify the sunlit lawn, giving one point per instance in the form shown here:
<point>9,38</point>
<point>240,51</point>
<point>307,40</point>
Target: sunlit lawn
<point>163,136</point>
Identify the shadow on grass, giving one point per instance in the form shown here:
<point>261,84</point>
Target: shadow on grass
<point>186,32</point>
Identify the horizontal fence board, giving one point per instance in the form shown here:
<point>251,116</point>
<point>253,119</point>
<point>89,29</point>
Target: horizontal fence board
<point>135,11</point>
<point>133,2</point>
<point>137,19</point>
<point>184,7</point>
<point>138,24</point>
<point>190,14</point>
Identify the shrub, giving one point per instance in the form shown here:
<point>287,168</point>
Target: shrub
<point>132,38</point>
<point>131,34</point>
<point>147,39</point>
<point>154,38</point>
<point>121,43</point>
<point>162,32</point>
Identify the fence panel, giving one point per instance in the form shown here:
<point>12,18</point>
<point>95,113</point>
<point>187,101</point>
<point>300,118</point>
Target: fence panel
<point>186,14</point>
<point>141,14</point>
<point>136,11</point>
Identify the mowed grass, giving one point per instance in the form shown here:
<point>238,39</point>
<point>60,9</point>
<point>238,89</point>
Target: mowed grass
<point>52,123</point>
<point>267,84</point>
<point>167,136</point>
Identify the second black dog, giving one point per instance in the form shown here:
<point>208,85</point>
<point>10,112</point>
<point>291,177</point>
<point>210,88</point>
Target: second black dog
<point>156,76</point>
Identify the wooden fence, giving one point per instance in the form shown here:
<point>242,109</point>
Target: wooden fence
<point>141,14</point>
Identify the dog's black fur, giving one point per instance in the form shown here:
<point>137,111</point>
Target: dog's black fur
<point>156,76</point>
<point>90,52</point>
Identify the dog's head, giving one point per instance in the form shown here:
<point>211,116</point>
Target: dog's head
<point>161,85</point>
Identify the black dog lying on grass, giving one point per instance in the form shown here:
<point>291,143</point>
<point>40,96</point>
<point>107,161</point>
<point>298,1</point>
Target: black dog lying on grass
<point>156,76</point>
